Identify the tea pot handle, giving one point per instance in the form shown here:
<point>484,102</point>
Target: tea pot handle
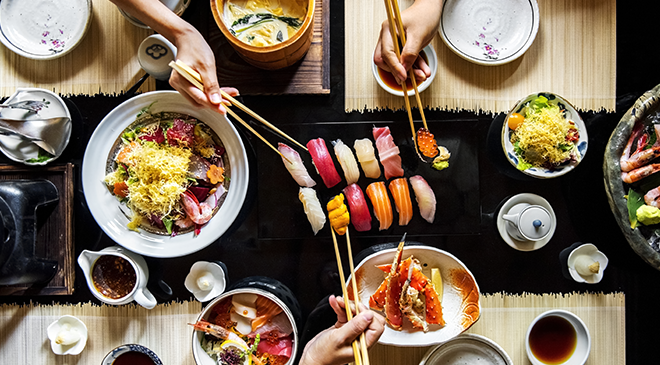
<point>145,298</point>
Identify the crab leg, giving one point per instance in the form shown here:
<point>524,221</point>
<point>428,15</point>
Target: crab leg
<point>393,293</point>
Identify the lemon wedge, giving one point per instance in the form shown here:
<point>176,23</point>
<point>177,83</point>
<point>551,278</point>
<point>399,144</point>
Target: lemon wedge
<point>436,279</point>
<point>239,347</point>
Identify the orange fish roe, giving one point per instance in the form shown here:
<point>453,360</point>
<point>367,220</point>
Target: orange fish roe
<point>426,143</point>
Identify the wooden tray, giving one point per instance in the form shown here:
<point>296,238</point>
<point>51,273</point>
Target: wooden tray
<point>54,229</point>
<point>309,76</point>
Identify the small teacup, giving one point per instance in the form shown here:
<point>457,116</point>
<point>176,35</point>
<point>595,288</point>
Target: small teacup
<point>154,56</point>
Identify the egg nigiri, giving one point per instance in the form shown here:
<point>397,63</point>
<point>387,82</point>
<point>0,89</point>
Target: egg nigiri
<point>295,165</point>
<point>425,197</point>
<point>360,216</point>
<point>313,208</point>
<point>347,161</point>
<point>364,150</point>
<point>377,193</point>
<point>401,194</point>
<point>323,162</point>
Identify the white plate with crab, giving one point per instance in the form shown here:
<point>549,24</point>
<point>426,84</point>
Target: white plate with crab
<point>460,294</point>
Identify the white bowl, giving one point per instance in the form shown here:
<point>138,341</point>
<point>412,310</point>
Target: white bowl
<point>44,29</point>
<point>582,347</point>
<point>105,207</point>
<point>467,348</point>
<point>489,32</point>
<point>110,358</point>
<point>433,64</point>
<point>570,113</point>
<point>69,324</point>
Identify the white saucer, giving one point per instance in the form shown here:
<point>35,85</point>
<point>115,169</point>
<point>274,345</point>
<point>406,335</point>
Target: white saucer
<point>531,199</point>
<point>590,250</point>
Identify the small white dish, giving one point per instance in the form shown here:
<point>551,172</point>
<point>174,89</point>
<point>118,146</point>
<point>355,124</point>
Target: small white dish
<point>489,32</point>
<point>531,199</point>
<point>19,149</point>
<point>590,254</point>
<point>68,335</point>
<point>467,348</point>
<point>154,55</point>
<point>432,62</point>
<point>177,6</point>
<point>583,340</point>
<point>571,114</point>
<point>206,280</point>
<point>44,29</point>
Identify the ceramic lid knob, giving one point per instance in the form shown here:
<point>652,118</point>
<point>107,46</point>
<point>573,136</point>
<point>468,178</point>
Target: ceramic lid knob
<point>535,222</point>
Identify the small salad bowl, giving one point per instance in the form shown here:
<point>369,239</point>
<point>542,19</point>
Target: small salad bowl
<point>569,112</point>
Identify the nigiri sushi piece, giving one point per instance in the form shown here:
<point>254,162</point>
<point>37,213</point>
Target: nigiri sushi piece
<point>388,152</point>
<point>364,150</point>
<point>425,197</point>
<point>380,200</point>
<point>360,216</point>
<point>313,208</point>
<point>295,165</point>
<point>323,162</point>
<point>347,161</point>
<point>338,214</point>
<point>401,195</point>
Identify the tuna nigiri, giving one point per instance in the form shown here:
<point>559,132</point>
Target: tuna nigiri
<point>364,150</point>
<point>323,162</point>
<point>312,208</point>
<point>295,166</point>
<point>401,195</point>
<point>360,216</point>
<point>377,193</point>
<point>425,197</point>
<point>347,162</point>
<point>338,214</point>
<point>388,152</point>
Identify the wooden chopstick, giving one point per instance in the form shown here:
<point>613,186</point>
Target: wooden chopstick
<point>356,299</point>
<point>194,78</point>
<point>347,304</point>
<point>235,102</point>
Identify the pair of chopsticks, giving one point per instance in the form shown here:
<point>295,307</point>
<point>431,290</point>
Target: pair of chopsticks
<point>361,354</point>
<point>195,78</point>
<point>395,22</point>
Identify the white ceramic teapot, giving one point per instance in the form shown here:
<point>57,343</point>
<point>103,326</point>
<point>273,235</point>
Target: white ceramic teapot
<point>526,222</point>
<point>112,281</point>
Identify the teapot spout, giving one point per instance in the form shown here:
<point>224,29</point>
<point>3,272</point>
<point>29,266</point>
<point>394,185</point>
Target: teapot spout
<point>510,217</point>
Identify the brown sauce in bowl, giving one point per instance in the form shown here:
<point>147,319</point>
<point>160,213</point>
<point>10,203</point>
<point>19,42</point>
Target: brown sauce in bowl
<point>553,340</point>
<point>390,81</point>
<point>113,276</point>
<point>133,358</point>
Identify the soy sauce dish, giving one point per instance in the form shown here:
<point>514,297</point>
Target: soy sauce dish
<point>557,337</point>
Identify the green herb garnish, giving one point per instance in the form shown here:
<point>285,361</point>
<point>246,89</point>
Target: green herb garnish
<point>42,156</point>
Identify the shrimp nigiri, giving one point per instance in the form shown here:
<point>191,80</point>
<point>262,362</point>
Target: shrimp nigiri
<point>338,214</point>
<point>295,166</point>
<point>388,152</point>
<point>360,216</point>
<point>347,162</point>
<point>312,208</point>
<point>323,162</point>
<point>425,197</point>
<point>401,195</point>
<point>364,150</point>
<point>377,193</point>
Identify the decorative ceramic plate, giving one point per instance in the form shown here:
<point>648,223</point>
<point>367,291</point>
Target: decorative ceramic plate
<point>641,238</point>
<point>19,149</point>
<point>489,32</point>
<point>460,301</point>
<point>570,114</point>
<point>44,29</point>
<point>467,348</point>
<point>106,208</point>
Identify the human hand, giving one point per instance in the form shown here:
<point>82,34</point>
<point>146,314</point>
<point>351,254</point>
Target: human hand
<point>333,346</point>
<point>420,23</point>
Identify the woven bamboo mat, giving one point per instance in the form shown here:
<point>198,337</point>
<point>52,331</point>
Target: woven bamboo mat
<point>105,62</point>
<point>574,55</point>
<point>164,329</point>
<point>505,318</point>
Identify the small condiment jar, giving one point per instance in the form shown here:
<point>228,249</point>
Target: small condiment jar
<point>526,222</point>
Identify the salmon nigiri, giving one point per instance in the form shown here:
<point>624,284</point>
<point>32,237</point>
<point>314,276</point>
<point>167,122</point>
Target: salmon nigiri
<point>377,193</point>
<point>401,194</point>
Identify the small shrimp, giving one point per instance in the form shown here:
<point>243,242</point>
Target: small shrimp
<point>652,197</point>
<point>639,173</point>
<point>201,213</point>
<point>217,331</point>
<point>640,157</point>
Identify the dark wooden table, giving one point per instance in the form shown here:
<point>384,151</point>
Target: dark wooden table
<point>272,238</point>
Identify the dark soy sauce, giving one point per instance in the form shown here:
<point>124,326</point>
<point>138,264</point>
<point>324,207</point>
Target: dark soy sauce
<point>133,358</point>
<point>390,81</point>
<point>553,340</point>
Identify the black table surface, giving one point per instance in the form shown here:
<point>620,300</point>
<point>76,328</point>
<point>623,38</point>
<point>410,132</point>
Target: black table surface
<point>271,236</point>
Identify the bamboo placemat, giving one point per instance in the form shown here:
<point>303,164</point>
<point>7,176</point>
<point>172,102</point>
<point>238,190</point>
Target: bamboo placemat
<point>505,318</point>
<point>164,329</point>
<point>105,62</point>
<point>573,55</point>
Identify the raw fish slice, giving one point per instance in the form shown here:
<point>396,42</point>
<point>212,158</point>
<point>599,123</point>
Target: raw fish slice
<point>377,193</point>
<point>401,195</point>
<point>364,150</point>
<point>347,162</point>
<point>388,152</point>
<point>425,197</point>
<point>313,208</point>
<point>360,216</point>
<point>296,166</point>
<point>323,162</point>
